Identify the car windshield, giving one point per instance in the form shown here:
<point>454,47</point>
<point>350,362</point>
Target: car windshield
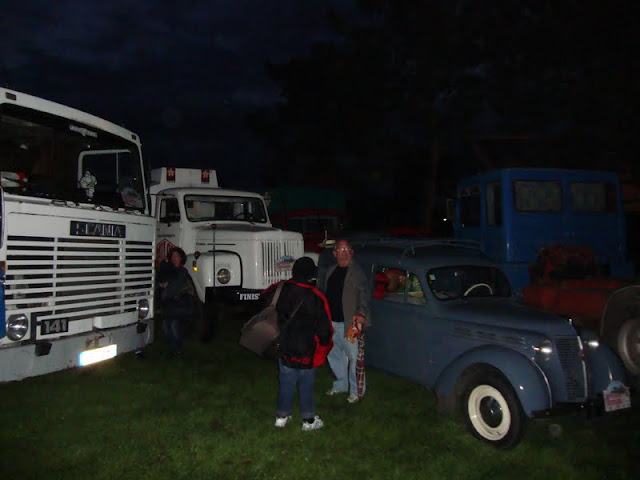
<point>202,208</point>
<point>448,283</point>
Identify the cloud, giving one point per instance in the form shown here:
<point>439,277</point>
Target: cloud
<point>180,74</point>
<point>236,37</point>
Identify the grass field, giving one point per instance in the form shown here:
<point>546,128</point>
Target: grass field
<point>209,415</point>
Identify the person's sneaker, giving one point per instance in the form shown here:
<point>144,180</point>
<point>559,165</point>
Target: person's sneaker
<point>332,391</point>
<point>315,425</point>
<point>282,421</point>
<point>353,398</point>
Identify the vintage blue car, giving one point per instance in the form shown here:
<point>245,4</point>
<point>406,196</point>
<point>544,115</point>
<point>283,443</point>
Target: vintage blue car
<point>443,316</point>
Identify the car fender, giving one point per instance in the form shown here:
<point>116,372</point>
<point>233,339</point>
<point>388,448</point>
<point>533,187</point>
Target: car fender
<point>527,379</point>
<point>619,325</point>
<point>201,270</point>
<point>604,367</point>
<point>616,311</point>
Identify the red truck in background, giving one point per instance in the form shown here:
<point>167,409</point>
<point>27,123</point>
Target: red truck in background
<point>317,213</point>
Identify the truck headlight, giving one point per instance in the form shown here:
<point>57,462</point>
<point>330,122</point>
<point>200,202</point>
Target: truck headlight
<point>17,326</point>
<point>223,276</point>
<point>143,308</point>
<point>545,349</point>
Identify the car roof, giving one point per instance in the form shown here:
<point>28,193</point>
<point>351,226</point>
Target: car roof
<point>419,253</point>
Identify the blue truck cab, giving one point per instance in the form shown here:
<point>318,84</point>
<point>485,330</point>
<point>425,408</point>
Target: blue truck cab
<point>516,212</point>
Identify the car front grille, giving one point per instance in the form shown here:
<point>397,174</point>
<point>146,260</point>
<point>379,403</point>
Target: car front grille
<point>570,356</point>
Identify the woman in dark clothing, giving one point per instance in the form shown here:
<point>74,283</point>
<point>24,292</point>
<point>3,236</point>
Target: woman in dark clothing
<point>176,297</point>
<point>305,340</point>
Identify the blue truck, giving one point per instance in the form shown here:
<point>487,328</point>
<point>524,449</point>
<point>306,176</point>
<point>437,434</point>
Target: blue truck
<point>560,236</point>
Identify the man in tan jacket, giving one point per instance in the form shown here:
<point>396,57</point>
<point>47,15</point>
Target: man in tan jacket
<point>347,290</point>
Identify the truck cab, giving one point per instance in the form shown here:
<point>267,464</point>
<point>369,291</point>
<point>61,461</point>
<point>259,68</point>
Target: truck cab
<point>77,242</point>
<point>317,213</point>
<point>515,213</point>
<point>233,251</point>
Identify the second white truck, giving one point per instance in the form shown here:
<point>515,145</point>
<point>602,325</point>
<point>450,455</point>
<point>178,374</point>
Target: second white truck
<point>233,251</point>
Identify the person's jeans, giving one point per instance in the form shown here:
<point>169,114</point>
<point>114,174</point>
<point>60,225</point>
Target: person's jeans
<point>172,332</point>
<point>342,360</point>
<point>289,379</point>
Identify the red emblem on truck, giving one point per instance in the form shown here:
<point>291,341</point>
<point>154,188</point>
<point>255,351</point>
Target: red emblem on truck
<point>162,249</point>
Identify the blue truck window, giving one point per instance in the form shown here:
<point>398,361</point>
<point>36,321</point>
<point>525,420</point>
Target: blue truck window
<point>593,197</point>
<point>470,210</point>
<point>494,204</point>
<point>537,196</point>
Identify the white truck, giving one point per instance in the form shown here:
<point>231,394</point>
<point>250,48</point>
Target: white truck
<point>77,240</point>
<point>233,252</point>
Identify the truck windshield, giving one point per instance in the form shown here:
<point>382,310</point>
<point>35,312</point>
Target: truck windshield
<point>453,282</point>
<point>202,208</point>
<point>42,155</point>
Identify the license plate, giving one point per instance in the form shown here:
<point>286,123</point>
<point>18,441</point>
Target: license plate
<point>51,326</point>
<point>616,397</point>
<point>248,296</point>
<point>95,355</point>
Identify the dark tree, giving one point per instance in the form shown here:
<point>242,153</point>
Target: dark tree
<point>384,113</point>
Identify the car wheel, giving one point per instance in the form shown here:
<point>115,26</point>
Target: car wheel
<point>628,345</point>
<point>492,411</point>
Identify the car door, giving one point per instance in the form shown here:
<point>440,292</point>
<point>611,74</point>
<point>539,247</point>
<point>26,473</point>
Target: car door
<point>397,340</point>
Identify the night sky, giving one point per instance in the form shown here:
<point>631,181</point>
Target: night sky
<point>182,75</point>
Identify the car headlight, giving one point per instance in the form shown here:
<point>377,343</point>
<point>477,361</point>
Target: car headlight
<point>143,308</point>
<point>590,339</point>
<point>223,276</point>
<point>17,326</point>
<point>544,349</point>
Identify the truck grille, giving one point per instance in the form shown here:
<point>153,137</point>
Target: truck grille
<point>570,355</point>
<point>77,278</point>
<point>277,259</point>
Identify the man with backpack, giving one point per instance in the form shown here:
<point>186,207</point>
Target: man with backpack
<point>305,340</point>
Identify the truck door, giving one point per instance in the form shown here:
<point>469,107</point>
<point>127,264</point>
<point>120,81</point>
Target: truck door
<point>168,227</point>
